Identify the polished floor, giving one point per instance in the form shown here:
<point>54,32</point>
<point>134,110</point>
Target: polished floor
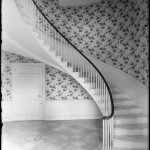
<point>52,135</point>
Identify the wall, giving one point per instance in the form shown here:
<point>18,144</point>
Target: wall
<point>76,2</point>
<point>59,86</point>
<point>115,32</point>
<point>125,83</point>
<point>6,72</point>
<point>65,97</point>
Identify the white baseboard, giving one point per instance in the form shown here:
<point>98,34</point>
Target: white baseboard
<point>60,110</point>
<point>6,110</point>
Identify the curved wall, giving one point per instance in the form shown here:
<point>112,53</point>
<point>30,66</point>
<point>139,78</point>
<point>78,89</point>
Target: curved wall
<point>76,2</point>
<point>115,32</point>
<point>126,83</point>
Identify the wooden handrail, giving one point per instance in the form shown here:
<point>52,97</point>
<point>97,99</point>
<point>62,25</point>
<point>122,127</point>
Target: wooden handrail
<point>111,98</point>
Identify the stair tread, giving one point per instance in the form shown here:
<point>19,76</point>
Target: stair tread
<point>131,126</point>
<point>126,106</point>
<point>129,104</point>
<point>116,148</point>
<point>122,99</point>
<point>132,138</point>
<point>129,116</point>
<point>118,92</point>
<point>115,89</point>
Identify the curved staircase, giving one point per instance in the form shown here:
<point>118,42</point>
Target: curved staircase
<point>124,125</point>
<point>130,124</point>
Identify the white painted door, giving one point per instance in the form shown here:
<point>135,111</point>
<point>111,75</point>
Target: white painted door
<point>35,92</point>
<point>27,91</point>
<point>20,92</point>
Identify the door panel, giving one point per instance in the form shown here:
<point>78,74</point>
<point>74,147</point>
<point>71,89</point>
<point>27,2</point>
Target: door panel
<point>21,70</point>
<point>34,109</point>
<point>35,84</point>
<point>27,92</point>
<point>35,70</point>
<point>20,93</point>
<point>22,109</point>
<point>21,84</point>
<point>35,93</point>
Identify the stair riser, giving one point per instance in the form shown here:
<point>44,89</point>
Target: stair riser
<point>127,111</point>
<point>129,144</point>
<point>74,74</point>
<point>114,148</point>
<point>93,85</point>
<point>91,91</point>
<point>97,92</point>
<point>115,90</point>
<point>120,96</point>
<point>126,121</point>
<point>127,103</point>
<point>130,132</point>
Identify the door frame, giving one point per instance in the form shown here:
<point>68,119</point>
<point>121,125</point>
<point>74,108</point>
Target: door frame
<point>43,85</point>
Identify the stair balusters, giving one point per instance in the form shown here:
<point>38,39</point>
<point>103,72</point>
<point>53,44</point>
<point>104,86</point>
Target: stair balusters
<point>75,59</point>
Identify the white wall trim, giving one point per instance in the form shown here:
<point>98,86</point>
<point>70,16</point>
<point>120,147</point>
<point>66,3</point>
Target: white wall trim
<point>6,110</point>
<point>60,110</point>
<point>72,109</point>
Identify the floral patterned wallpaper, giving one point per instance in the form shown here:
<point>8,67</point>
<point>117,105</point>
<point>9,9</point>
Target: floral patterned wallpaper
<point>6,72</point>
<point>113,31</point>
<point>59,86</point>
<point>62,86</point>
